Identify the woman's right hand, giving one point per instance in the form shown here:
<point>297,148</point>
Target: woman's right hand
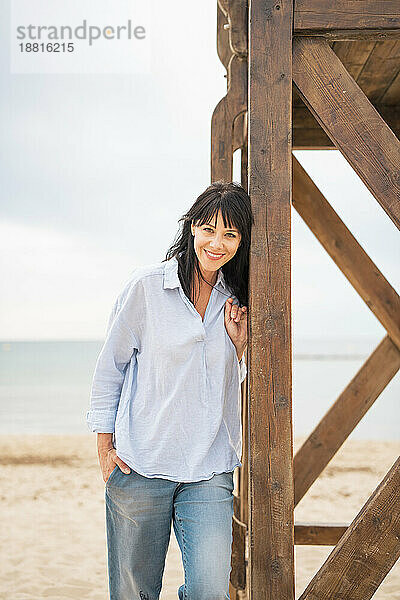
<point>108,459</point>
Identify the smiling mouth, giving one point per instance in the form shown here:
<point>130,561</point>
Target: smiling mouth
<point>213,256</point>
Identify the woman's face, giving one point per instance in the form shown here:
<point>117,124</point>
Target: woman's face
<point>215,244</point>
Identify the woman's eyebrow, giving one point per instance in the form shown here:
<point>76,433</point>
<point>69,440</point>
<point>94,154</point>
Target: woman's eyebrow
<point>226,229</point>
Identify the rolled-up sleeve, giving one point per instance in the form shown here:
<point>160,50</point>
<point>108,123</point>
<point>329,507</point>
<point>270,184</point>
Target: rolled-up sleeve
<point>118,349</point>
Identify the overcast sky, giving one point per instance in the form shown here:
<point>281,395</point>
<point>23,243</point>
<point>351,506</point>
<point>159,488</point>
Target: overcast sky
<point>96,170</point>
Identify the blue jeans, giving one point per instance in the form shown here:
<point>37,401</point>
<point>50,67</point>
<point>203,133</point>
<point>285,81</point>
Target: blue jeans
<point>139,512</point>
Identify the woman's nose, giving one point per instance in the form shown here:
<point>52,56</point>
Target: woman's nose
<point>216,242</point>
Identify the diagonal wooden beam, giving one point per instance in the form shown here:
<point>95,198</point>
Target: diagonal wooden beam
<point>222,122</point>
<point>343,416</point>
<point>346,252</point>
<point>368,549</point>
<point>350,120</point>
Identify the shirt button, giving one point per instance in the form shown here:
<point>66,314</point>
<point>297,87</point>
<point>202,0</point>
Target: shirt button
<point>200,338</point>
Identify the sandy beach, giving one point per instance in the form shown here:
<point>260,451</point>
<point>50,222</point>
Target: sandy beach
<point>53,542</point>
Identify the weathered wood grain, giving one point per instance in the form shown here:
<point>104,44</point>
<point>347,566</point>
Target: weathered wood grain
<point>239,130</point>
<point>379,70</point>
<point>236,12</point>
<point>318,534</point>
<point>238,572</point>
<point>323,15</point>
<point>271,530</point>
<point>223,48</point>
<point>353,55</point>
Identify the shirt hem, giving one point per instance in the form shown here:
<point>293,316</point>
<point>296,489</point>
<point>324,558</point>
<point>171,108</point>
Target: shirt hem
<point>127,459</point>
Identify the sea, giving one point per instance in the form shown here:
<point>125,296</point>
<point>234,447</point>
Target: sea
<point>45,386</point>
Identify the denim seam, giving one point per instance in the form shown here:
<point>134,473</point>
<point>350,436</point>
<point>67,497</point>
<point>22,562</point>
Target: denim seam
<point>184,556</point>
<point>112,473</point>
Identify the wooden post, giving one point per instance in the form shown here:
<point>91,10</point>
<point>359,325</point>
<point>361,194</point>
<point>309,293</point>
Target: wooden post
<point>271,494</point>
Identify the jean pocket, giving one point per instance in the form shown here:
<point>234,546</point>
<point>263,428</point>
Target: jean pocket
<point>115,469</point>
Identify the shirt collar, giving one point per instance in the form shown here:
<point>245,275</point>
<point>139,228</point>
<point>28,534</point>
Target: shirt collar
<point>171,279</point>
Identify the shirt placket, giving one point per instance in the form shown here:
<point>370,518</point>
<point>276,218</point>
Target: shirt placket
<point>201,337</point>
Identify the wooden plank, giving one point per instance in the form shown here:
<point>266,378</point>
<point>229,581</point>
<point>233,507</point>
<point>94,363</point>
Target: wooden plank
<point>343,248</point>
<point>226,111</point>
<point>307,132</point>
<point>367,550</point>
<point>239,546</point>
<point>236,12</point>
<point>359,35</point>
<point>271,530</point>
<point>311,139</point>
<point>244,470</point>
<point>238,131</point>
<point>223,48</point>
<point>305,534</point>
<point>244,155</point>
<point>318,534</point>
<point>353,55</point>
<point>238,571</point>
<point>322,15</point>
<point>350,120</point>
<point>337,424</point>
<point>380,69</point>
<point>392,94</point>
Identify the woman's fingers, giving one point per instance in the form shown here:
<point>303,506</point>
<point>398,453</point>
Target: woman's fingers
<point>124,468</point>
<point>236,312</point>
<point>114,459</point>
<point>241,312</point>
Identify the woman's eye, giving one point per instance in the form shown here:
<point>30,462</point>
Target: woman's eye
<point>211,231</point>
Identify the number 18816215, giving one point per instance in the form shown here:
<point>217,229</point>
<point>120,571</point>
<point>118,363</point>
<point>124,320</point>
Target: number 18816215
<point>49,47</point>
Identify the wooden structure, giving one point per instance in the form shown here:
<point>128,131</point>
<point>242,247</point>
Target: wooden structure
<point>309,74</point>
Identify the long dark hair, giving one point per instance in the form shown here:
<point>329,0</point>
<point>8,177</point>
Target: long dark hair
<point>234,202</point>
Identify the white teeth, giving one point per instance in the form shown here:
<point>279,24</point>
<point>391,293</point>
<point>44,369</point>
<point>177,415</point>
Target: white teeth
<point>212,254</point>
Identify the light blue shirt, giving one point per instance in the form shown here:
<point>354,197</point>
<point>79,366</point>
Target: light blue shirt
<point>167,383</point>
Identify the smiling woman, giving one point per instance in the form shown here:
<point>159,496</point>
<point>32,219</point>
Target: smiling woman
<point>220,222</point>
<point>166,387</point>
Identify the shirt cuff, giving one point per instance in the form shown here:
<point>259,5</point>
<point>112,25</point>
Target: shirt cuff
<point>242,370</point>
<point>100,421</point>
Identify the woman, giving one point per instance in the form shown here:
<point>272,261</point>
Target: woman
<point>166,404</point>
